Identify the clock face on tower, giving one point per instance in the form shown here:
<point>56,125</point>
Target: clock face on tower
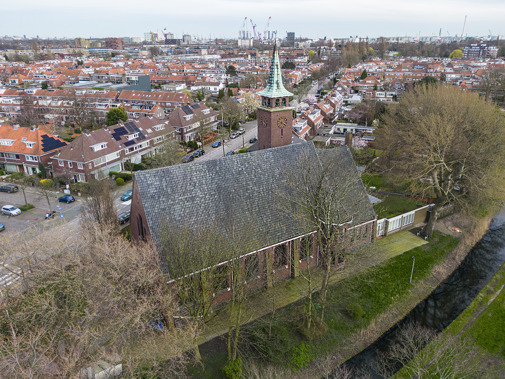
<point>263,122</point>
<point>282,122</point>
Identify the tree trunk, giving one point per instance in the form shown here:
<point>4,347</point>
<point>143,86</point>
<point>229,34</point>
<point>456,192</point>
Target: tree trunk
<point>237,328</point>
<point>430,227</point>
<point>324,286</point>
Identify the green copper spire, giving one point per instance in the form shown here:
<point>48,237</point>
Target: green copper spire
<point>274,87</point>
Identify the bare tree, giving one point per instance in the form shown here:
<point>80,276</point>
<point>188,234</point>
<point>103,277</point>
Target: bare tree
<point>323,194</point>
<point>192,257</point>
<point>167,154</point>
<point>85,297</point>
<point>99,204</point>
<point>29,114</point>
<point>449,144</point>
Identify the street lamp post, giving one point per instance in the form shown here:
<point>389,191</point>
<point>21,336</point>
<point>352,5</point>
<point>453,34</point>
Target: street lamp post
<point>412,272</point>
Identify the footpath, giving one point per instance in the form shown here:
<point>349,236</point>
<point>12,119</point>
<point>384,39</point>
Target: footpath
<point>292,290</point>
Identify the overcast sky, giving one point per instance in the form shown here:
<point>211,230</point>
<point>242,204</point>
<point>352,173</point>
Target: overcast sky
<point>224,18</point>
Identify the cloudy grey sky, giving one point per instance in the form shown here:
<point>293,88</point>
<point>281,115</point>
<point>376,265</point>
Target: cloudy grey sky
<point>223,18</point>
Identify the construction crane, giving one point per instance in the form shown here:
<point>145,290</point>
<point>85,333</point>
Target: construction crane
<point>243,33</point>
<point>254,29</point>
<point>265,33</point>
<point>464,25</point>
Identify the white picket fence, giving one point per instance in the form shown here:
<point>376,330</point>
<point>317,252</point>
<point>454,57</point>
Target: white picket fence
<point>397,222</point>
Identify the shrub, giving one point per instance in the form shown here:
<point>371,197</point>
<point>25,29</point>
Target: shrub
<point>26,207</point>
<point>123,175</point>
<point>2,172</point>
<point>301,356</point>
<point>120,181</point>
<point>233,369</point>
<point>134,166</point>
<point>242,150</point>
<point>17,175</point>
<point>355,311</point>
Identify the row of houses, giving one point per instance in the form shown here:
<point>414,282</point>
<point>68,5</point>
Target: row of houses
<point>93,154</point>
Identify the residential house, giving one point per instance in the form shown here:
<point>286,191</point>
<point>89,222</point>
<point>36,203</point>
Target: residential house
<point>95,153</point>
<point>187,120</point>
<point>22,149</point>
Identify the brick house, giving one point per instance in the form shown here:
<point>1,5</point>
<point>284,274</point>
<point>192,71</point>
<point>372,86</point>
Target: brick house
<point>244,190</point>
<point>186,120</point>
<point>21,149</point>
<point>94,154</point>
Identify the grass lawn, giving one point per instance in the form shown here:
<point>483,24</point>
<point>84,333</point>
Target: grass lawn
<point>386,183</point>
<point>352,304</point>
<point>393,206</point>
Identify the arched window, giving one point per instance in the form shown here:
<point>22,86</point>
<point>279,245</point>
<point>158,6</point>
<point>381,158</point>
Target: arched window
<point>284,101</point>
<point>277,102</point>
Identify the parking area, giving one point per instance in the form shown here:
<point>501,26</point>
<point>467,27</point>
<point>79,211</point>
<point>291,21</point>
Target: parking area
<point>34,216</point>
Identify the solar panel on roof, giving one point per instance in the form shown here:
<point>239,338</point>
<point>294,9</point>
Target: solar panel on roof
<point>187,109</point>
<point>129,143</point>
<point>196,106</point>
<point>130,126</point>
<point>51,143</point>
<point>141,137</point>
<point>118,132</point>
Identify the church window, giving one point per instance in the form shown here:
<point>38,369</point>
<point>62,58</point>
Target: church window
<point>280,256</point>
<point>277,102</point>
<point>268,102</point>
<point>284,102</point>
<point>251,267</point>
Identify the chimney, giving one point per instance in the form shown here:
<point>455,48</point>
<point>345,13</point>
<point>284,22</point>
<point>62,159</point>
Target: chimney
<point>15,126</point>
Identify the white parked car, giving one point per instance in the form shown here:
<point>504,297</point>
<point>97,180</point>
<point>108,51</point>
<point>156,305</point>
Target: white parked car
<point>10,210</point>
<point>234,135</point>
<point>241,131</point>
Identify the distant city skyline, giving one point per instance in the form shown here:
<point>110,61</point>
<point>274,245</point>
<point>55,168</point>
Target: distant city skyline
<point>224,18</point>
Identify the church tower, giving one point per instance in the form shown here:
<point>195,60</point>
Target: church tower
<point>275,116</point>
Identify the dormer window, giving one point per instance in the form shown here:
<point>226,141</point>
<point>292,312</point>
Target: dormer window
<point>132,136</point>
<point>158,127</point>
<point>6,142</point>
<point>188,117</point>
<point>99,146</point>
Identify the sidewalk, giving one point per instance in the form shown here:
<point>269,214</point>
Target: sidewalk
<point>292,290</point>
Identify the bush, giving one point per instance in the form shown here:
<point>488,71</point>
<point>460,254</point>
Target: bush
<point>134,166</point>
<point>242,150</point>
<point>355,311</point>
<point>17,175</point>
<point>233,369</point>
<point>123,175</point>
<point>301,356</point>
<point>120,181</point>
<point>26,207</point>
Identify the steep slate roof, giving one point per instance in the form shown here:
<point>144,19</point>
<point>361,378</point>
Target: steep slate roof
<point>245,190</point>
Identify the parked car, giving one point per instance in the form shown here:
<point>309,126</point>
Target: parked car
<point>2,227</point>
<point>10,210</point>
<point>198,153</point>
<point>234,135</point>
<point>9,188</point>
<point>223,123</point>
<point>252,140</point>
<point>241,121</point>
<point>188,158</point>
<point>127,195</point>
<point>229,153</point>
<point>123,218</point>
<point>241,131</point>
<point>66,199</point>
<point>216,144</point>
